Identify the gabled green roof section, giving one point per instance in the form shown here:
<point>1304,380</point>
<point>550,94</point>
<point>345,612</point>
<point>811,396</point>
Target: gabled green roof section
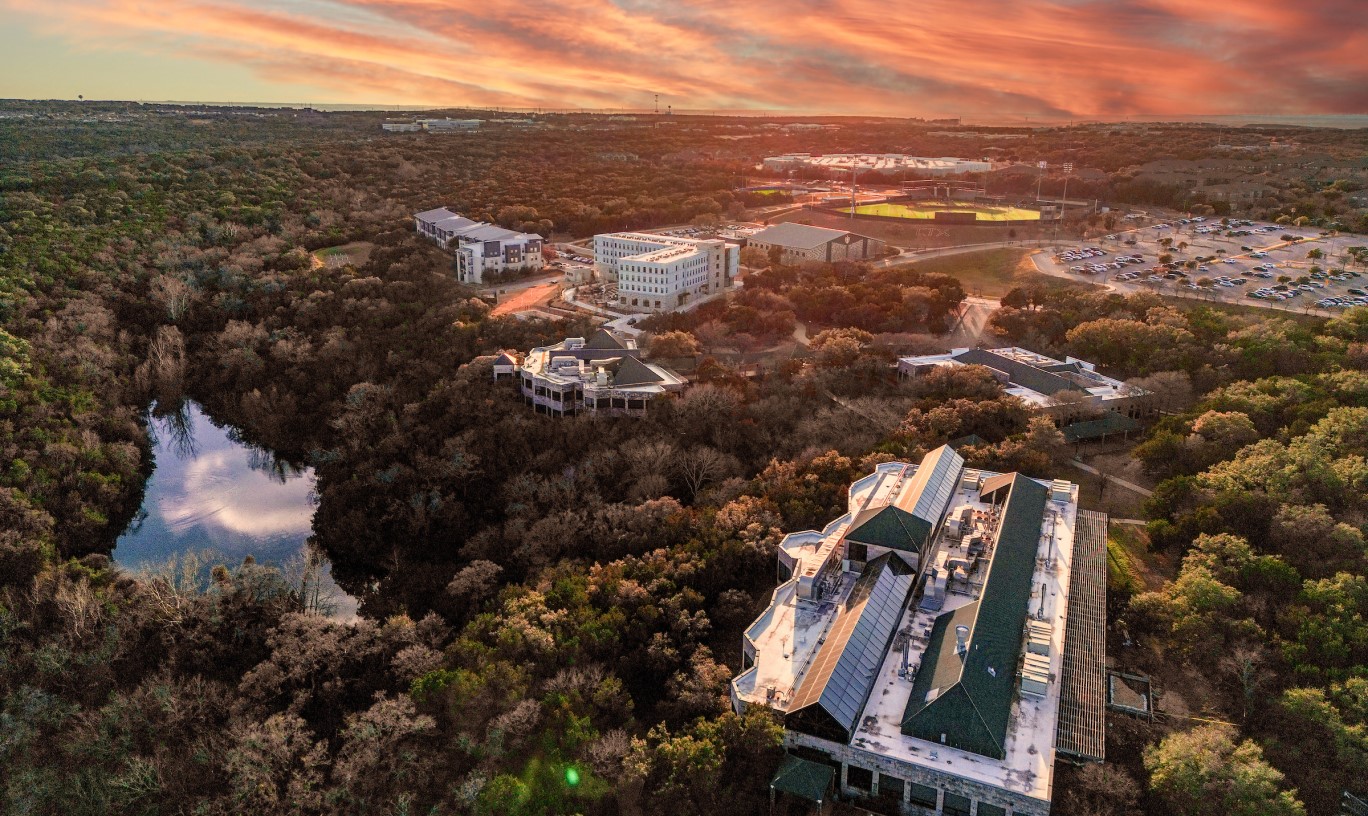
<point>968,698</point>
<point>604,340</point>
<point>804,779</point>
<point>1109,423</point>
<point>889,527</point>
<point>631,371</point>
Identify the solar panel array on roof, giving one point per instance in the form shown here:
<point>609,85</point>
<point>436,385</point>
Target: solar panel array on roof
<point>837,686</point>
<point>942,467</point>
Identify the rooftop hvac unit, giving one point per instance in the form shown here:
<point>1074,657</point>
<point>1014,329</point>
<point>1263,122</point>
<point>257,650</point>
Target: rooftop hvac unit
<point>1061,491</point>
<point>1037,638</point>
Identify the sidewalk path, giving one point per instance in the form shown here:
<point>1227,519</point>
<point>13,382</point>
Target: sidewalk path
<point>1122,482</point>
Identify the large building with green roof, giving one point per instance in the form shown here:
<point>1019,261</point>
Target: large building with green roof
<point>916,645</point>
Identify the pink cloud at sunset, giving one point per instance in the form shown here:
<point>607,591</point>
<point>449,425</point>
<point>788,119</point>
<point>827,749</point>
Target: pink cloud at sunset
<point>979,58</point>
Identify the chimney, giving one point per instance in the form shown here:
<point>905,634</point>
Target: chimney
<point>961,639</point>
<point>603,377</point>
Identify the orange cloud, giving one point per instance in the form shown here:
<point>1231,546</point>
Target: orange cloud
<point>977,58</point>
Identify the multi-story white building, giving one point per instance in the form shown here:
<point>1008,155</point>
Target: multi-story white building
<point>603,375</point>
<point>480,248</point>
<point>660,273</point>
<point>401,127</point>
<point>936,648</point>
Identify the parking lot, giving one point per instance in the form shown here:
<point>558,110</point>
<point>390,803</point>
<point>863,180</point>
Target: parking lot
<point>1236,261</point>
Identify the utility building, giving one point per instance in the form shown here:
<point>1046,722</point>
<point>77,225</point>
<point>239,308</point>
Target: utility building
<point>917,647</point>
<point>799,242</point>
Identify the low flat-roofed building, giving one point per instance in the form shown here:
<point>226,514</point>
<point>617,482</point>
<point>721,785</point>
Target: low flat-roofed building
<point>800,242</point>
<point>661,273</point>
<point>888,164</point>
<point>480,248</point>
<point>449,125</point>
<point>604,374</point>
<point>1067,390</point>
<point>933,672</point>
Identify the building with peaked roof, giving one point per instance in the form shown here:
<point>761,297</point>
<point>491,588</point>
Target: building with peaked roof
<point>604,374</point>
<point>918,644</point>
<point>481,249</point>
<point>1067,390</point>
<point>799,242</point>
<point>661,273</point>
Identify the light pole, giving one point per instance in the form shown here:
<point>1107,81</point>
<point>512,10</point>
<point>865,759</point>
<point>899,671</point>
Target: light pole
<point>1063,202</point>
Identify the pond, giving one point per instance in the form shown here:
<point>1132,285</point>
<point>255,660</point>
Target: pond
<point>212,493</point>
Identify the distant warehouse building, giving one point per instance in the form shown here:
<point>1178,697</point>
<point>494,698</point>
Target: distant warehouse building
<point>800,242</point>
<point>662,273</point>
<point>480,248</point>
<point>449,125</point>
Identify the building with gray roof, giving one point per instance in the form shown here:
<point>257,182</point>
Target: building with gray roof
<point>482,250</point>
<point>1067,390</point>
<point>604,374</point>
<point>918,646</point>
<point>797,243</point>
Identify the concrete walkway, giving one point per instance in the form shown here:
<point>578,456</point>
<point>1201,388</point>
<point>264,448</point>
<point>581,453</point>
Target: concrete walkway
<point>1132,486</point>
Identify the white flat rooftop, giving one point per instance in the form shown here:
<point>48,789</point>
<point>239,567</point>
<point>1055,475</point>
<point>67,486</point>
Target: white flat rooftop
<point>1029,765</point>
<point>787,635</point>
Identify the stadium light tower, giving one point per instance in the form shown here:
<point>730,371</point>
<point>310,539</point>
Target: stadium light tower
<point>1064,201</point>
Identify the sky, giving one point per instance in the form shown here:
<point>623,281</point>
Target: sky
<point>978,59</point>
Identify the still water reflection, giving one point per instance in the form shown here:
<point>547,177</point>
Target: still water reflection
<point>210,491</point>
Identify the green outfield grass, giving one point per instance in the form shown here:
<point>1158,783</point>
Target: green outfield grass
<point>928,210</point>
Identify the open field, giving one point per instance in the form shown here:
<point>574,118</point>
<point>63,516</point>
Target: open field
<point>527,299</point>
<point>928,210</point>
<point>353,254</point>
<point>994,272</point>
<point>916,232</point>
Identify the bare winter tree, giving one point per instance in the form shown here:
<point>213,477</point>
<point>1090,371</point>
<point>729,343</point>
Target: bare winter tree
<point>701,466</point>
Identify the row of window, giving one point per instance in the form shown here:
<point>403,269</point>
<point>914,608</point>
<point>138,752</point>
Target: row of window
<point>893,789</point>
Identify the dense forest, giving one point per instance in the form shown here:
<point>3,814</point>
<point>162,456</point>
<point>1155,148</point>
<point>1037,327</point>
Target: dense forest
<point>550,609</point>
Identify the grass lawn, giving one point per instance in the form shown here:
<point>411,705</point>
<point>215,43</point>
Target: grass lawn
<point>1129,558</point>
<point>1261,312</point>
<point>353,254</point>
<point>995,272</point>
<point>928,210</point>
